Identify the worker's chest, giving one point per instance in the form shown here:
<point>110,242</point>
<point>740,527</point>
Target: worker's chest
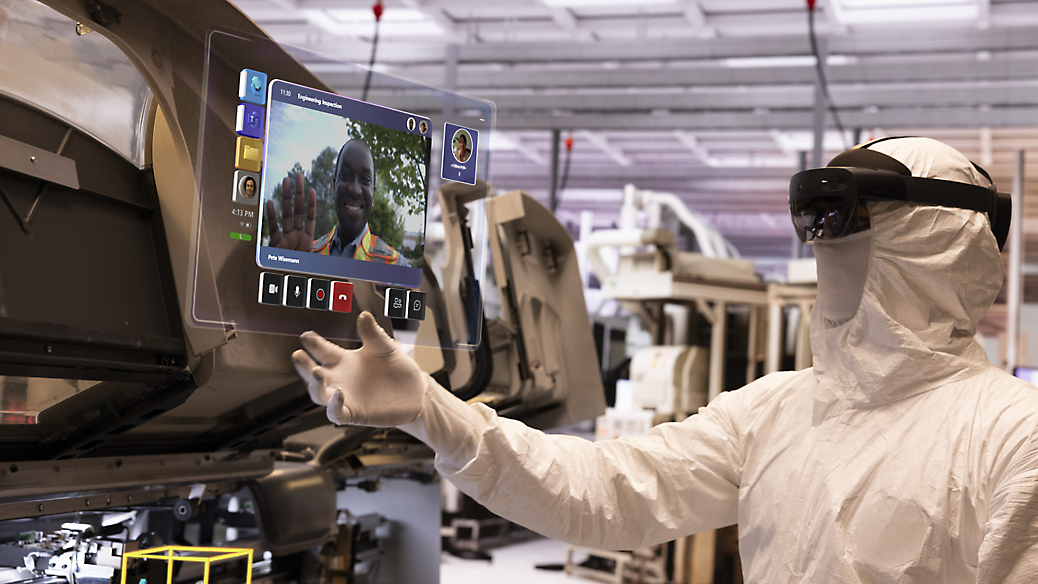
<point>875,490</point>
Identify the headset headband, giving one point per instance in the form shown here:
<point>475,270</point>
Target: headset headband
<point>934,191</point>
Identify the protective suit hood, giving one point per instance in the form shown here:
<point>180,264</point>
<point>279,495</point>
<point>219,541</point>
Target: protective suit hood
<point>933,273</point>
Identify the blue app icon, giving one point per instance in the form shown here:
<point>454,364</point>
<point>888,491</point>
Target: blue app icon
<point>252,87</point>
<point>459,154</point>
<point>249,121</point>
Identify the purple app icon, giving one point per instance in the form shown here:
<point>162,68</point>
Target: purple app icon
<point>249,120</point>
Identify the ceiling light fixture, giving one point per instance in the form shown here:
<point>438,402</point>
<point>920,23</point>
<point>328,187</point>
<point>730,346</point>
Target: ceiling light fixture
<point>893,12</point>
<point>595,3</point>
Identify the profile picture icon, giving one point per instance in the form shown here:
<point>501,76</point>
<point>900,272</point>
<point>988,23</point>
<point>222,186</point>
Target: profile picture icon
<point>246,187</point>
<point>461,145</point>
<point>410,124</point>
<point>423,126</point>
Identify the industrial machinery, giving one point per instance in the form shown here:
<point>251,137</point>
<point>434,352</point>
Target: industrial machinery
<point>146,390</point>
<point>669,380</point>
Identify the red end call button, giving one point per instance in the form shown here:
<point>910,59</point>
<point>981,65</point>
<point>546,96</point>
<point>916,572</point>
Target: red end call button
<point>342,297</point>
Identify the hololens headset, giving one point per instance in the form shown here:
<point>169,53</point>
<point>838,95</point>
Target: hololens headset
<point>825,202</point>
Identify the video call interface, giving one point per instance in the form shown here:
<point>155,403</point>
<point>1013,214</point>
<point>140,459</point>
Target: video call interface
<point>323,195</point>
<point>343,187</point>
<point>338,190</point>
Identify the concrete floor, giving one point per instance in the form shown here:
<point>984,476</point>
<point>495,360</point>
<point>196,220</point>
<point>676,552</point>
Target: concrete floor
<point>513,564</point>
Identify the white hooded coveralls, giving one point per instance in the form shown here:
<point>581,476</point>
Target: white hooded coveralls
<point>901,456</point>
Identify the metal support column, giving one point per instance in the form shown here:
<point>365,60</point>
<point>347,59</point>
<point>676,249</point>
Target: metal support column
<point>771,365</point>
<point>820,109</point>
<point>1014,292</point>
<point>797,245</point>
<point>450,80</point>
<point>553,189</point>
<point>751,351</point>
<point>718,331</point>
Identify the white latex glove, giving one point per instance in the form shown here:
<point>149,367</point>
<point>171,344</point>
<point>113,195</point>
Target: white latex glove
<point>378,385</point>
<point>375,385</point>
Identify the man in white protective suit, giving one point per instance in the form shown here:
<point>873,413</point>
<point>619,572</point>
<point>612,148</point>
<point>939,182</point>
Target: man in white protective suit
<point>903,455</point>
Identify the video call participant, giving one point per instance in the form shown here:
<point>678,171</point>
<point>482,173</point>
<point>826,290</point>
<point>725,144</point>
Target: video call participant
<point>250,187</point>
<point>354,197</point>
<point>461,148</point>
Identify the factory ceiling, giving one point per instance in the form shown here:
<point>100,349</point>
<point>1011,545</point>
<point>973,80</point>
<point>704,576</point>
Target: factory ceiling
<point>712,100</point>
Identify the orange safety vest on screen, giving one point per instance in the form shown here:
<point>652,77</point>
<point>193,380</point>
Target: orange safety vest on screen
<point>371,248</point>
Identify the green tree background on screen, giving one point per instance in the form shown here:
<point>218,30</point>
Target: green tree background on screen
<point>399,164</point>
<point>416,256</point>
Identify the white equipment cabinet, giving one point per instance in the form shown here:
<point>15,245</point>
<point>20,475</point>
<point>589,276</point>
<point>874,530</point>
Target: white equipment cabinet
<point>670,380</point>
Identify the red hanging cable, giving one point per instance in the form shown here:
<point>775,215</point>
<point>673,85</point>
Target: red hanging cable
<point>568,142</point>
<point>377,9</point>
<point>820,69</point>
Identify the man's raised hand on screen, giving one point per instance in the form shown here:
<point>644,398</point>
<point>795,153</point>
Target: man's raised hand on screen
<point>298,216</point>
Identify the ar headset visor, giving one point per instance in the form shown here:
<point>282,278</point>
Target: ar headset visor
<point>826,203</point>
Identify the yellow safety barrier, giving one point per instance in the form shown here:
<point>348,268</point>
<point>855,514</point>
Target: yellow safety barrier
<point>168,553</point>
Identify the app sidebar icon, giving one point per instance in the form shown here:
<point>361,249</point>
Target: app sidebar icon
<point>295,292</point>
<point>415,305</point>
<point>248,154</point>
<point>317,298</point>
<point>246,187</point>
<point>252,87</point>
<point>342,297</point>
<point>249,120</point>
<point>396,303</point>
<point>271,288</point>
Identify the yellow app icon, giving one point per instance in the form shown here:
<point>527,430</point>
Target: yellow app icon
<point>249,154</point>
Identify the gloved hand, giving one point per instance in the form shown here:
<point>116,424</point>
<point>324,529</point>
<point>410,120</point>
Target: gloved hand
<point>375,385</point>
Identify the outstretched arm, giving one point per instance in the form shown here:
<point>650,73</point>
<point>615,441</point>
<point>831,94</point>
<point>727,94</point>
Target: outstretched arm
<point>628,493</point>
<point>619,494</point>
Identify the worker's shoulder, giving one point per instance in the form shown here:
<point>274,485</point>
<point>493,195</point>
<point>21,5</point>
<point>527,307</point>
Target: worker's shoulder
<point>1001,412</point>
<point>999,406</point>
<point>995,385</point>
<point>771,391</point>
<point>777,383</point>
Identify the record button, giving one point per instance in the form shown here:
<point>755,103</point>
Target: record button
<point>317,299</point>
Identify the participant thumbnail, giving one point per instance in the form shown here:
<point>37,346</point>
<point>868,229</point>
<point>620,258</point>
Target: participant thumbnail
<point>246,187</point>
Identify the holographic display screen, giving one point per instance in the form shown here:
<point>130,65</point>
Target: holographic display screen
<point>344,187</point>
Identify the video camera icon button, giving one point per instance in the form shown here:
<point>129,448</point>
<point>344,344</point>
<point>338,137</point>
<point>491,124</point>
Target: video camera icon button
<point>415,305</point>
<point>271,288</point>
<point>396,303</point>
